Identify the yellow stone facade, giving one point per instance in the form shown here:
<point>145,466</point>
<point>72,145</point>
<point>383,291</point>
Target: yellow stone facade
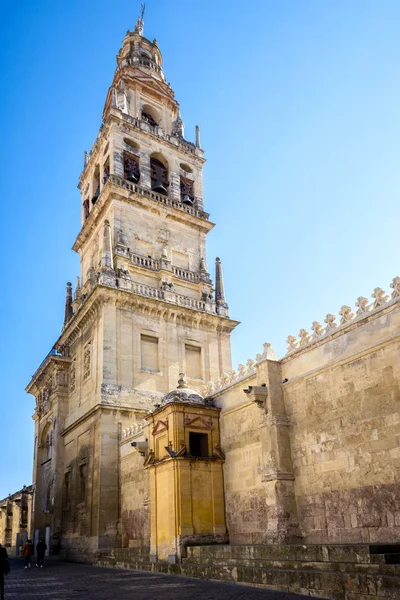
<point>184,461</point>
<point>305,448</point>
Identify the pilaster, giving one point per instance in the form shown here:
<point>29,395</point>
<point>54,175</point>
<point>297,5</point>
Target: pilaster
<point>277,468</point>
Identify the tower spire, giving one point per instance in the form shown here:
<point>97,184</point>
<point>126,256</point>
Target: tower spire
<point>140,21</point>
<point>222,307</point>
<point>68,313</point>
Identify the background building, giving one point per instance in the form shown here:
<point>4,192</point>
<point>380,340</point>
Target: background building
<point>15,519</point>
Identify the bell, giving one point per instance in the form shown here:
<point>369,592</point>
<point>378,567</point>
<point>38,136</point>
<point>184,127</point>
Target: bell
<point>187,200</point>
<point>96,195</point>
<point>133,176</point>
<point>160,188</point>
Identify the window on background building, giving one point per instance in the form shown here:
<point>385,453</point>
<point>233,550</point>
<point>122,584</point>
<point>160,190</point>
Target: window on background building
<point>149,353</point>
<point>193,362</point>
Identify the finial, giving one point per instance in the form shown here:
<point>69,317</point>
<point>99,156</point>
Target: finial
<point>140,22</point>
<point>197,136</point>
<point>182,382</point>
<point>222,307</point>
<point>219,282</point>
<point>68,313</point>
<point>178,127</point>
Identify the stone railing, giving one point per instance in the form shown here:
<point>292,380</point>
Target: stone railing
<point>150,64</point>
<point>190,302</point>
<point>132,187</point>
<point>168,296</point>
<point>133,430</point>
<point>363,308</point>
<point>243,371</point>
<point>145,262</point>
<point>186,274</point>
<point>146,290</point>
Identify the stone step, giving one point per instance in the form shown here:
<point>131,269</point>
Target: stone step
<point>324,584</point>
<point>335,585</point>
<point>348,553</point>
<point>367,568</point>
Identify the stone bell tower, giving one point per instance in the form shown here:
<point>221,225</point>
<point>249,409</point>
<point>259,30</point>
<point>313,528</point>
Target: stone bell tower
<point>143,309</point>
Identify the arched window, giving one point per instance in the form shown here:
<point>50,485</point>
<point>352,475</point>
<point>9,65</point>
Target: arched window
<point>106,171</point>
<point>131,167</point>
<point>159,174</point>
<point>150,115</point>
<point>96,184</point>
<point>187,196</point>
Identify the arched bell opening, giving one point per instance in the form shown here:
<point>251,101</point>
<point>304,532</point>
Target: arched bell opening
<point>131,167</point>
<point>150,115</point>
<point>187,196</point>
<point>96,184</point>
<point>159,174</point>
<point>106,170</point>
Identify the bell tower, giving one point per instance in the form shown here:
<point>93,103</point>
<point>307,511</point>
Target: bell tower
<point>144,308</point>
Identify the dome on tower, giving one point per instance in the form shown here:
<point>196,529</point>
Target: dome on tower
<point>183,394</point>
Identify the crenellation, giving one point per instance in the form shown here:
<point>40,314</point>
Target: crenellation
<point>348,317</point>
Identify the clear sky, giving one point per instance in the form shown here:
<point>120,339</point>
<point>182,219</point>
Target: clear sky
<point>298,104</point>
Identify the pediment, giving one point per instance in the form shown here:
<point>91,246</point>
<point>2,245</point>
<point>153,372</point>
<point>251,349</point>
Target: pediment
<point>159,427</point>
<point>153,84</point>
<point>197,422</point>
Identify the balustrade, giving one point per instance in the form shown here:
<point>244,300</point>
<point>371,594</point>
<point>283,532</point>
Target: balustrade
<point>132,187</point>
<point>186,274</point>
<point>145,262</point>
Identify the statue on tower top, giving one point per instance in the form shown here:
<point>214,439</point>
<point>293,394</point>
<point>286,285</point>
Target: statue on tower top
<point>140,22</point>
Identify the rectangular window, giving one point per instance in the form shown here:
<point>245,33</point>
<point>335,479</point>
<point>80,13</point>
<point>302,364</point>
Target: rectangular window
<point>149,353</point>
<point>193,362</point>
<point>198,444</point>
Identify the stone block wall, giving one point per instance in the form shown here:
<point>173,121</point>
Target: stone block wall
<point>341,408</point>
<point>344,408</point>
<point>135,496</point>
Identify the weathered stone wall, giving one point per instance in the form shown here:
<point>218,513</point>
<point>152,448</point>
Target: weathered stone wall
<point>341,415</point>
<point>343,401</point>
<point>244,490</point>
<point>135,499</point>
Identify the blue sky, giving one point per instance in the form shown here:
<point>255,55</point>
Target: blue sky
<point>298,104</point>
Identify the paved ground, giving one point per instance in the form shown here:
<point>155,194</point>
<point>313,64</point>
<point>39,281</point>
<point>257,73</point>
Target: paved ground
<point>67,581</point>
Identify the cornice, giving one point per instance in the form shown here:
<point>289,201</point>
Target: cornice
<point>43,371</point>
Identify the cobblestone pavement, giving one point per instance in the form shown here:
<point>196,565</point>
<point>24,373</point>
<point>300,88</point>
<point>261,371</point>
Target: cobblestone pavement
<point>67,581</point>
